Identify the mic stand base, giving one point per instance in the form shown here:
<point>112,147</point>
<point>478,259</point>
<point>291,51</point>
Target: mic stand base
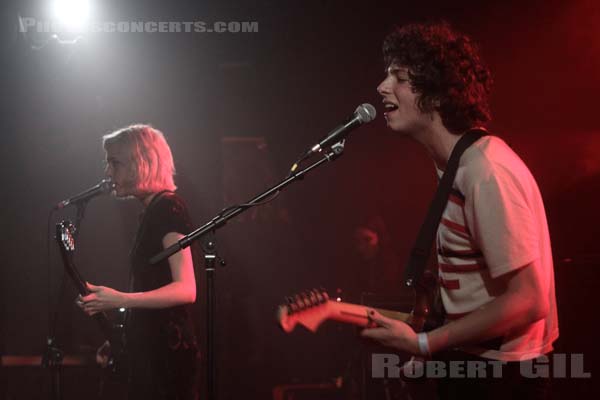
<point>52,359</point>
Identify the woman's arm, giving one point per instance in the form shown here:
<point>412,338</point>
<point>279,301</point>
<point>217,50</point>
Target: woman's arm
<point>182,290</point>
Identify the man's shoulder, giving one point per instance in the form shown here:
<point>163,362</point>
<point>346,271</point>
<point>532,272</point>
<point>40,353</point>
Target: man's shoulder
<point>477,162</point>
<point>487,151</point>
<point>491,159</point>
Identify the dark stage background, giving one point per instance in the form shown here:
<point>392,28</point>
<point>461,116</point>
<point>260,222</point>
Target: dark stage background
<point>237,109</point>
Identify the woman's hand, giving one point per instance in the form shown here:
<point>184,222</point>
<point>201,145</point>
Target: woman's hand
<point>101,298</point>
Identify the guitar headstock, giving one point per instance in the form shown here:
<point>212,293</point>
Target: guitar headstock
<point>309,309</point>
<point>65,235</point>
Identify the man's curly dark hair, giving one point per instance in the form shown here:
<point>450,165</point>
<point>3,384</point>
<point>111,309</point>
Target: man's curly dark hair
<point>445,69</point>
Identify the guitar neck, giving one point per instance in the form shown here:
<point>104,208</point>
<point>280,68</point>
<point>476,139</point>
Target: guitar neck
<point>66,244</point>
<point>310,309</point>
<point>358,314</point>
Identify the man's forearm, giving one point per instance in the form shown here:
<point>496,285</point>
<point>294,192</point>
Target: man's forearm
<point>501,315</point>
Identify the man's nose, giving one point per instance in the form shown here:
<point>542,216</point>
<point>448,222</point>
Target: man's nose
<point>383,87</point>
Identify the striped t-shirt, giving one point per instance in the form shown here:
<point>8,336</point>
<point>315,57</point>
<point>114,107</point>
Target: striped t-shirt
<point>495,223</point>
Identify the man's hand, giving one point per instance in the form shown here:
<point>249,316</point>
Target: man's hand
<point>102,298</point>
<point>392,333</point>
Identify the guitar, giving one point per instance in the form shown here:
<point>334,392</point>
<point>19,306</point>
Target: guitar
<point>312,308</point>
<point>113,333</point>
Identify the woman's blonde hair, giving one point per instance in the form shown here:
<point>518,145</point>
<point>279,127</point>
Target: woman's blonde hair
<point>150,154</point>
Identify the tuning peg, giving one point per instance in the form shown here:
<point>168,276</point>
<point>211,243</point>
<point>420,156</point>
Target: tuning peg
<point>306,300</point>
<point>313,299</point>
<point>291,305</point>
<point>320,298</point>
<point>320,294</point>
<point>300,302</point>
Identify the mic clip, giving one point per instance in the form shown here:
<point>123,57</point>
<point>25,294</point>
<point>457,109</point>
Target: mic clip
<point>337,149</point>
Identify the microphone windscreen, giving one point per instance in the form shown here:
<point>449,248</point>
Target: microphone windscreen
<point>366,113</point>
<point>106,185</point>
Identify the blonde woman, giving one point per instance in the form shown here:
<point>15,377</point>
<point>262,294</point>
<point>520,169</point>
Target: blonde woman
<point>161,344</point>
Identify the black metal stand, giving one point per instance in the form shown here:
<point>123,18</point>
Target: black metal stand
<point>217,222</point>
<point>211,372</point>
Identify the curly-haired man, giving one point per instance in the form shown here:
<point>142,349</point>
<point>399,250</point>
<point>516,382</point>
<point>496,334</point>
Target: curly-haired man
<point>493,247</point>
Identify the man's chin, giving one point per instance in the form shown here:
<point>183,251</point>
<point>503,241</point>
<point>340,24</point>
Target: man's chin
<point>394,125</point>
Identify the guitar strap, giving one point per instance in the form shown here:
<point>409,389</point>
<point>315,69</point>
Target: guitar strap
<point>421,251</point>
<point>140,230</point>
<point>142,225</point>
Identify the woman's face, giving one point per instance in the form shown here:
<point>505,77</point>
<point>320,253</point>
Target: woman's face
<point>120,169</point>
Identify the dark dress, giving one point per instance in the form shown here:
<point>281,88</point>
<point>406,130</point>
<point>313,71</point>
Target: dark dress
<point>161,345</point>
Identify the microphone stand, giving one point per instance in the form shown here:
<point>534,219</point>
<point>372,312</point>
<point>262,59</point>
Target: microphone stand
<point>216,223</point>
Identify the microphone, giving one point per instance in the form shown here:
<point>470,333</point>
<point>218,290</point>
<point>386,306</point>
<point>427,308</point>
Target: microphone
<point>103,187</point>
<point>363,114</point>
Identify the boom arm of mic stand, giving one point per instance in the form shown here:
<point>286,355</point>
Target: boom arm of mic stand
<point>220,220</point>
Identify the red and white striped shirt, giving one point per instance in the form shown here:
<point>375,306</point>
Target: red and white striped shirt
<point>495,223</point>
